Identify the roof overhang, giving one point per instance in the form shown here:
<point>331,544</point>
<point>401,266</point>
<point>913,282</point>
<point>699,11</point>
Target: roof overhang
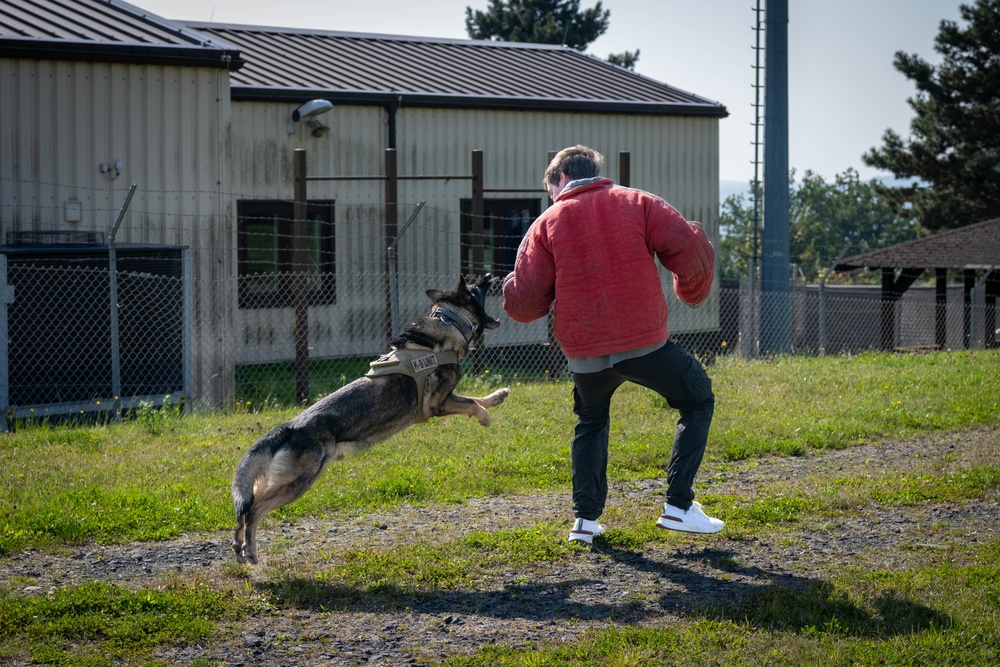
<point>505,102</point>
<point>32,48</point>
<point>972,247</point>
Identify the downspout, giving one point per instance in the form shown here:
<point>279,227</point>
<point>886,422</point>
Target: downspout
<point>390,112</point>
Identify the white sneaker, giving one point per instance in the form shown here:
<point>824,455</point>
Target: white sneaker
<point>694,520</point>
<point>585,530</point>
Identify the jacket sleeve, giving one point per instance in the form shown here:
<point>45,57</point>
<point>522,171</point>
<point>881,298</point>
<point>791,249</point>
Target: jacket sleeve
<point>683,249</point>
<point>528,290</point>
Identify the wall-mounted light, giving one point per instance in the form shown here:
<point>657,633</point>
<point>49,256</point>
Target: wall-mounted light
<point>111,170</point>
<point>308,112</point>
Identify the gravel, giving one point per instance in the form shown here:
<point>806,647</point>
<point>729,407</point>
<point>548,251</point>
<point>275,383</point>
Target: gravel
<point>589,589</point>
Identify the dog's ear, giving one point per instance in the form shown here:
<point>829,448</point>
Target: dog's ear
<point>461,286</point>
<point>435,295</point>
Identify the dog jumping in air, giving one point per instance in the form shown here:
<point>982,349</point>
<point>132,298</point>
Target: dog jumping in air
<point>414,381</point>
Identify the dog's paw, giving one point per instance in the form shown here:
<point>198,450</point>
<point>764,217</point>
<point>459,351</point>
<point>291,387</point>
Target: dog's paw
<point>499,396</point>
<point>245,554</point>
<point>484,418</point>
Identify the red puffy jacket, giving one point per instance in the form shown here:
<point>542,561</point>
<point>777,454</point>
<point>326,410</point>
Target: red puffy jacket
<point>591,253</point>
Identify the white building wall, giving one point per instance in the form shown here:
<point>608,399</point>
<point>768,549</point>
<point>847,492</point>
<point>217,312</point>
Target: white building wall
<point>169,126</point>
<point>676,157</point>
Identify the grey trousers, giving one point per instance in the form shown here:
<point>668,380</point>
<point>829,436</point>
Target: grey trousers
<point>672,373</point>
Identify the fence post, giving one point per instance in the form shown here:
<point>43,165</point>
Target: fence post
<point>969,285</point>
<point>393,280</point>
<point>941,308</point>
<point>478,211</point>
<point>750,312</point>
<point>116,356</point>
<point>391,200</point>
<point>300,265</point>
<point>984,327</point>
<point>6,298</point>
<point>187,304</point>
<point>992,291</point>
<point>625,169</point>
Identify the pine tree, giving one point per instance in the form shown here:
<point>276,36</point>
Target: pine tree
<point>538,22</point>
<point>954,147</point>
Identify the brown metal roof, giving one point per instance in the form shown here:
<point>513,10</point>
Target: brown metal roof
<point>287,63</point>
<point>296,64</point>
<point>102,30</point>
<point>971,247</point>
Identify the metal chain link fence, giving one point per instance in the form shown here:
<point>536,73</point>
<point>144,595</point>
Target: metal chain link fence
<point>174,335</point>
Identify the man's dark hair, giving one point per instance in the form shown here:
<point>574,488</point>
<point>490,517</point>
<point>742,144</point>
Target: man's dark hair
<point>576,162</point>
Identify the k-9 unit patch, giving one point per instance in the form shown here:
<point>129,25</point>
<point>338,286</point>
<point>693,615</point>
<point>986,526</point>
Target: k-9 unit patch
<point>424,363</point>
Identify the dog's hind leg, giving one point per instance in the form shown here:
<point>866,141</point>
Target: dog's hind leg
<point>277,489</point>
<point>239,537</point>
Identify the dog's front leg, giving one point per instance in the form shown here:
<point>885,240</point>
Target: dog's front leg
<point>494,399</point>
<point>473,407</point>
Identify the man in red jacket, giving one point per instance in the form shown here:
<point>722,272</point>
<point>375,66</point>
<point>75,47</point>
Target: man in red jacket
<point>592,255</point>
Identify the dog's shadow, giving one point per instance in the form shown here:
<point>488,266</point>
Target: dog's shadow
<point>775,601</point>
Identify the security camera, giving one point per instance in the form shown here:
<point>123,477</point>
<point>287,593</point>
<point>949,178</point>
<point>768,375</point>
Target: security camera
<point>311,109</point>
<point>317,128</point>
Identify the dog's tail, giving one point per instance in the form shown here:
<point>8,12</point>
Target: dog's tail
<point>252,467</point>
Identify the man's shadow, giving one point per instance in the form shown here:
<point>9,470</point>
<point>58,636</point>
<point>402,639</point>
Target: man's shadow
<point>774,601</point>
<point>778,600</point>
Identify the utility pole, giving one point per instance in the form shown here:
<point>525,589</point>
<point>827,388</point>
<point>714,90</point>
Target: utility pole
<point>775,334</point>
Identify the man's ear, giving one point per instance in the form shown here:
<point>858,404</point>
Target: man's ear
<point>435,294</point>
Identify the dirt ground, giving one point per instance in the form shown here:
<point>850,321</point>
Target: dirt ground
<point>664,583</point>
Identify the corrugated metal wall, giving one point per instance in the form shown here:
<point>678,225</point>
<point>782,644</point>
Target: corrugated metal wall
<point>169,127</point>
<point>676,157</point>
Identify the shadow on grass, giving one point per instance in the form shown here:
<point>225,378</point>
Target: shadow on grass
<point>780,601</point>
<point>773,601</point>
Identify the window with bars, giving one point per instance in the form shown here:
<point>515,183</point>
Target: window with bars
<point>505,222</point>
<point>266,244</point>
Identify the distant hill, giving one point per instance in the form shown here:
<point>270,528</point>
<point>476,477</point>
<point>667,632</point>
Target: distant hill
<point>727,188</point>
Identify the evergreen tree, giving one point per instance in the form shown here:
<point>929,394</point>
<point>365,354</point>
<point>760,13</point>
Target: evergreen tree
<point>538,22</point>
<point>627,59</point>
<point>954,147</point>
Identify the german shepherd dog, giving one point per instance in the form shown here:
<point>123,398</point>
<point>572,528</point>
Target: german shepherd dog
<point>285,462</point>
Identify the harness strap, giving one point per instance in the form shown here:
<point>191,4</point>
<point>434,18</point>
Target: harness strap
<point>418,364</point>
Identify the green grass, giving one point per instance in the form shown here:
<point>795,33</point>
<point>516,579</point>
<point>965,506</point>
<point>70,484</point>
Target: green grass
<point>161,474</point>
<point>792,404</point>
<point>156,477</point>
<point>98,624</point>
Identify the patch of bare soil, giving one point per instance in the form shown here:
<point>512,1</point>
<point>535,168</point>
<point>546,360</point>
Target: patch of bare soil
<point>668,581</point>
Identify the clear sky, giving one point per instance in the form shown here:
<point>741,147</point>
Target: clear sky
<point>843,89</point>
